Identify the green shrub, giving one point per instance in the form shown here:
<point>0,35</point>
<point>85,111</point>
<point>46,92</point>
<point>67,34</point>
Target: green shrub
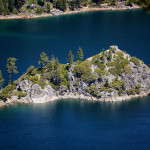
<point>103,89</point>
<point>93,5</point>
<point>100,73</point>
<point>92,90</point>
<point>106,84</point>
<point>34,79</point>
<point>15,11</point>
<point>130,91</point>
<point>7,92</point>
<point>138,86</point>
<point>83,71</point>
<point>21,94</point>
<point>127,69</point>
<point>39,11</point>
<point>120,92</point>
<point>117,84</point>
<point>118,64</point>
<point>135,61</point>
<point>96,60</point>
<point>54,86</point>
<point>31,71</point>
<point>137,91</point>
<point>76,83</point>
<point>58,76</point>
<point>99,95</point>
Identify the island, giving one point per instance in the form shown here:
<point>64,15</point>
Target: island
<point>112,75</point>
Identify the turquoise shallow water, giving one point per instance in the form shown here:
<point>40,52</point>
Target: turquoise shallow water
<point>76,125</point>
<point>26,39</point>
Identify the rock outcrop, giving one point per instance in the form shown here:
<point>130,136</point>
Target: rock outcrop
<point>113,75</point>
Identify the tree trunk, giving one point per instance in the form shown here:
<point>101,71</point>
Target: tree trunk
<point>9,78</point>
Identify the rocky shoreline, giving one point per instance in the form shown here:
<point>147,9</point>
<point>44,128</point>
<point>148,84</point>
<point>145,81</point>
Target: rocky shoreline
<point>58,13</point>
<point>13,100</point>
<point>110,76</point>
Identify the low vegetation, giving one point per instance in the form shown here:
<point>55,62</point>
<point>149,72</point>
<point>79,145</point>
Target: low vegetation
<point>100,74</point>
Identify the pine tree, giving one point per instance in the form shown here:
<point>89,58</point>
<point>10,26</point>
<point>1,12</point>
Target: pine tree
<point>11,4</point>
<point>56,63</point>
<point>31,70</point>
<point>43,60</point>
<point>109,55</point>
<point>19,3</point>
<point>103,56</point>
<point>51,64</point>
<point>48,7</point>
<point>80,55</point>
<point>5,5</point>
<point>11,67</point>
<point>1,7</point>
<point>106,83</point>
<point>64,5</point>
<point>71,57</point>
<point>77,2</point>
<point>1,79</point>
<point>54,3</point>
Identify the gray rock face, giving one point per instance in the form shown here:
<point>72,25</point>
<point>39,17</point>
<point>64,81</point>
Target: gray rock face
<point>139,75</point>
<point>35,91</point>
<point>24,85</point>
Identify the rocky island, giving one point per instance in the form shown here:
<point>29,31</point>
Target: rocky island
<point>112,75</point>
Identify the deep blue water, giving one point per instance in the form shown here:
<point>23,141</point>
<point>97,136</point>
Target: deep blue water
<point>26,39</point>
<point>76,125</point>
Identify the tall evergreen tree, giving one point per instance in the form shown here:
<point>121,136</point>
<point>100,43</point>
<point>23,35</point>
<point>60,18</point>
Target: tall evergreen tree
<point>6,10</point>
<point>48,7</point>
<point>11,67</point>
<point>1,79</point>
<point>56,63</point>
<point>43,60</point>
<point>19,3</point>
<point>54,3</point>
<point>51,64</point>
<point>80,55</point>
<point>71,57</point>
<point>64,5</point>
<point>11,4</point>
<point>1,7</point>
<point>103,55</point>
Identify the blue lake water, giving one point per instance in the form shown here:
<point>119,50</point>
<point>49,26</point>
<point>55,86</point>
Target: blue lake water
<point>26,39</point>
<point>75,124</point>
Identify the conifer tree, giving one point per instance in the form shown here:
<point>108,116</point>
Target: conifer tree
<point>5,5</point>
<point>1,7</point>
<point>11,4</point>
<point>56,63</point>
<point>80,55</point>
<point>71,57</point>
<point>109,55</point>
<point>1,79</point>
<point>48,7</point>
<point>43,60</point>
<point>54,3</point>
<point>103,55</point>
<point>31,70</point>
<point>11,67</point>
<point>51,64</point>
<point>64,5</point>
